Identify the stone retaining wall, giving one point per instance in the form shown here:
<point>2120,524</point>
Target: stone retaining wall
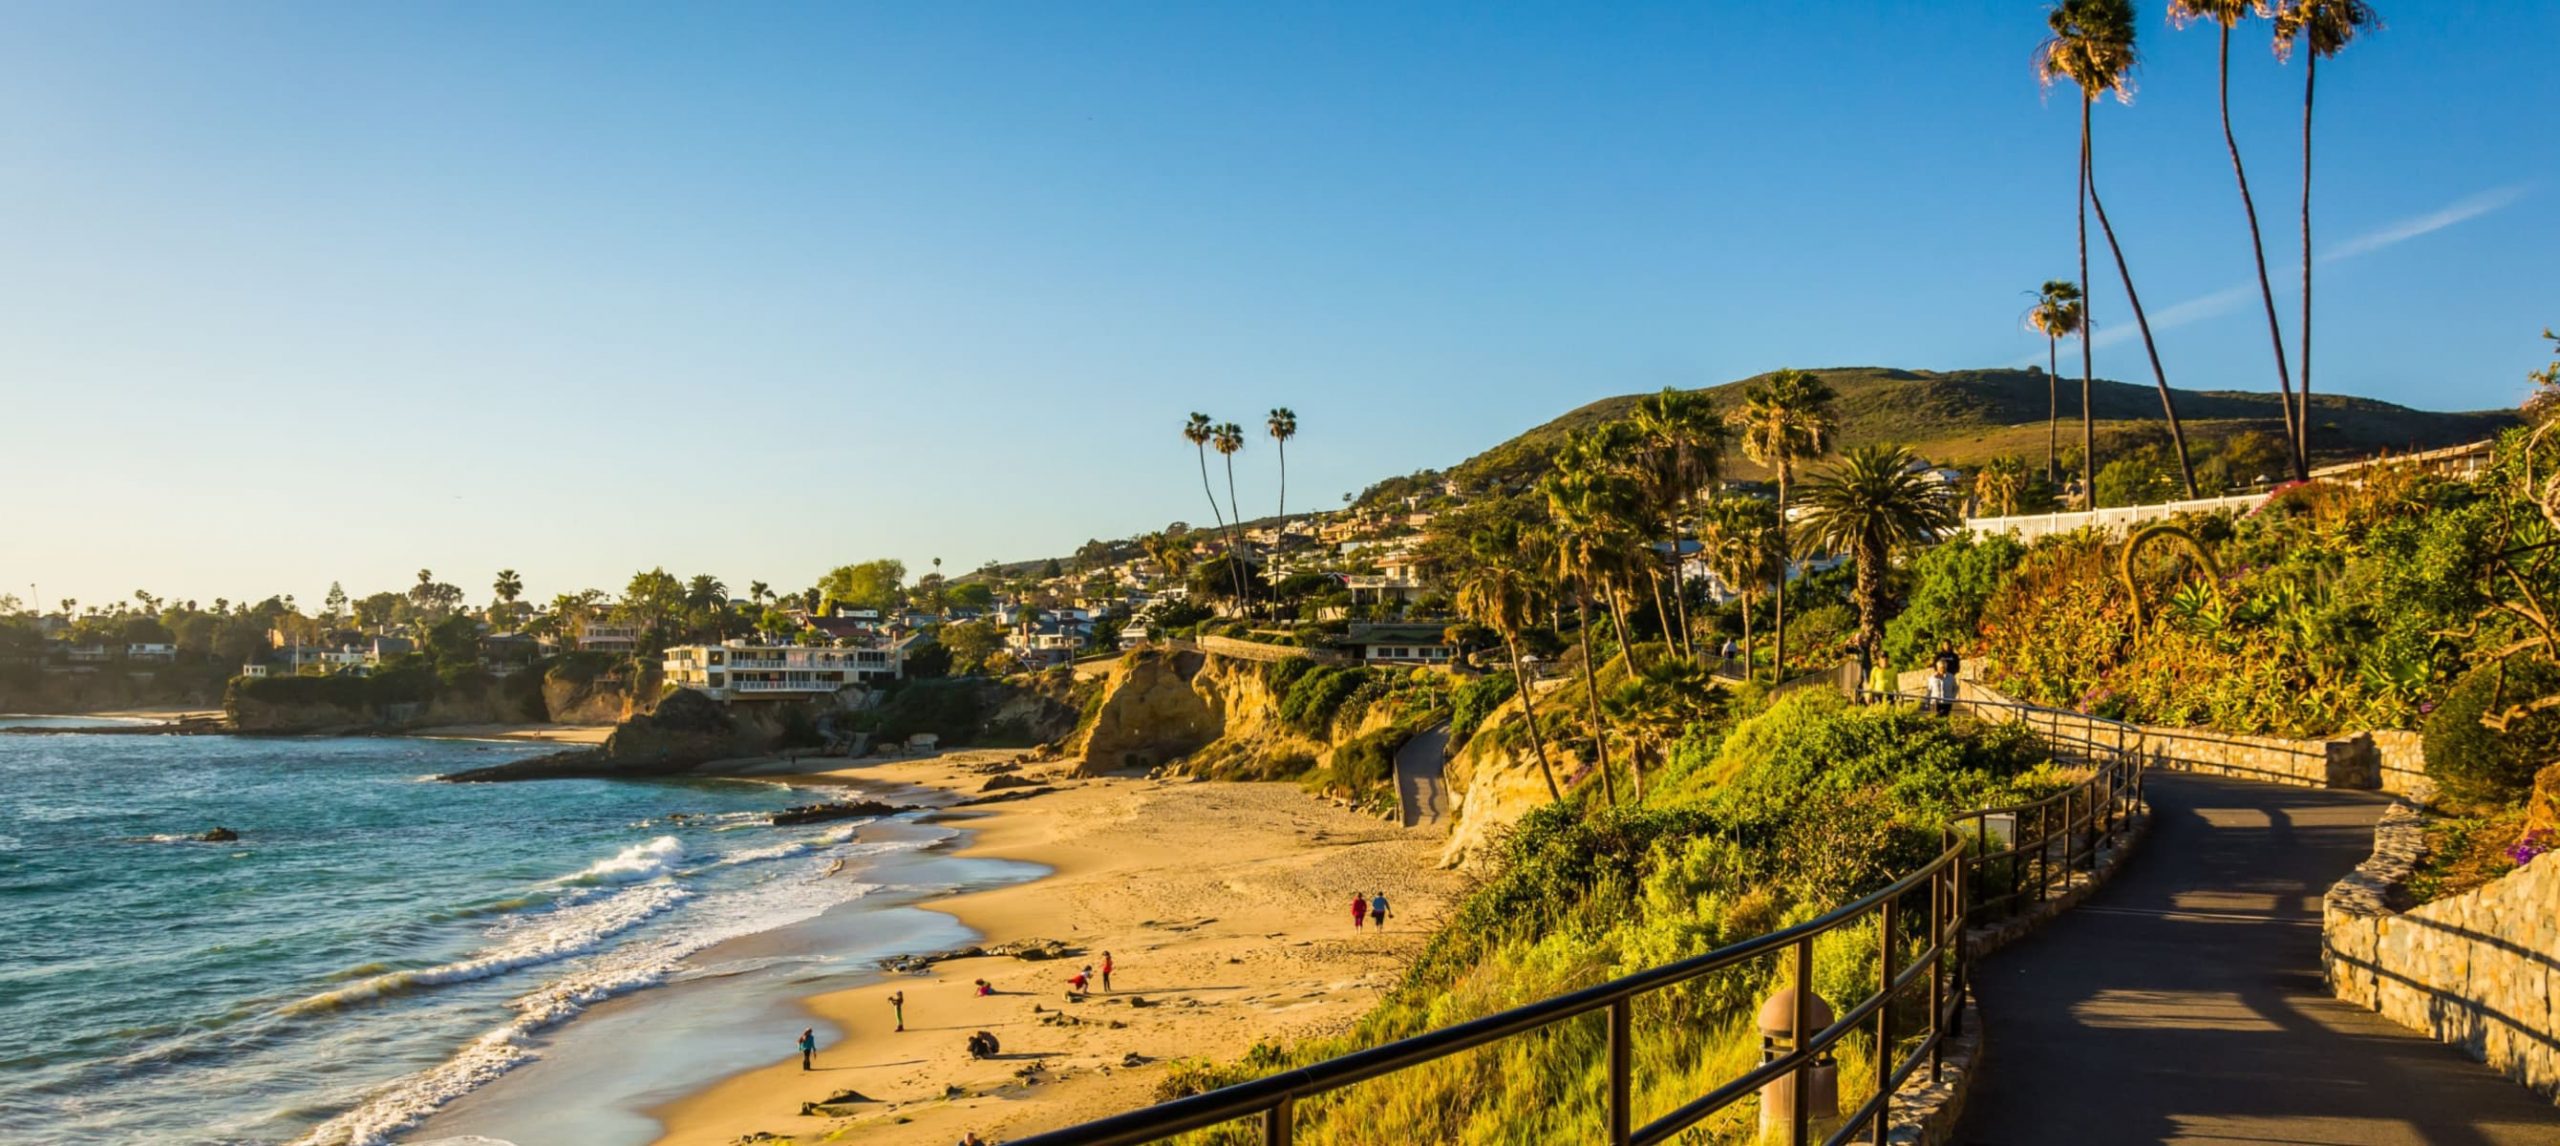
<point>2388,761</point>
<point>2478,971</point>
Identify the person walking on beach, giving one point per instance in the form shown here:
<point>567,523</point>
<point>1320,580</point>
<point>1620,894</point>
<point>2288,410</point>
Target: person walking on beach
<point>808,1047</point>
<point>898,1007</point>
<point>1378,909</point>
<point>1359,909</point>
<point>1106,972</point>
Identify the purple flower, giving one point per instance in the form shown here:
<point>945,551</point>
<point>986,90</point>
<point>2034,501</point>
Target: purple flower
<point>2532,845</point>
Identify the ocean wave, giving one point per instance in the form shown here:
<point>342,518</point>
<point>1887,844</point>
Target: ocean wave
<point>544,938</point>
<point>775,902</point>
<point>635,863</point>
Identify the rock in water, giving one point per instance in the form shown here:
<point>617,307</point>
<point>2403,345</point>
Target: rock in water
<point>218,836</point>
<point>821,813</point>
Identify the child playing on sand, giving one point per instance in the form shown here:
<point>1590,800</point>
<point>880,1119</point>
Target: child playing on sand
<point>1359,909</point>
<point>898,1007</point>
<point>985,988</point>
<point>1106,971</point>
<point>808,1046</point>
<point>1378,909</point>
<point>1076,983</point>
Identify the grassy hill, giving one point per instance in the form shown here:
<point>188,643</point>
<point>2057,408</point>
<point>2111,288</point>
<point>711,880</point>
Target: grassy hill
<point>1965,417</point>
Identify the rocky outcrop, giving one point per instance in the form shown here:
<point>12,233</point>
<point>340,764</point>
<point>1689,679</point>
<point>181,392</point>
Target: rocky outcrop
<point>1493,781</point>
<point>686,731</point>
<point>839,810</point>
<point>2542,808</point>
<point>1149,713</point>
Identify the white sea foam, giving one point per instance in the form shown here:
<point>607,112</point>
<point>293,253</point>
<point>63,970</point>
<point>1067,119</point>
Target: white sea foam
<point>636,863</point>
<point>788,897</point>
<point>541,938</point>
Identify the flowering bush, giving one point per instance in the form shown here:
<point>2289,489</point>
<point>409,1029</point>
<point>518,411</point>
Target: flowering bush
<point>2534,844</point>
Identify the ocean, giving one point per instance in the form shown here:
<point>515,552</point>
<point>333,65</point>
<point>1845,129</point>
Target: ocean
<point>376,946</point>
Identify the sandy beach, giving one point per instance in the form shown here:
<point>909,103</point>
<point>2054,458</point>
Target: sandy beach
<point>1225,906</point>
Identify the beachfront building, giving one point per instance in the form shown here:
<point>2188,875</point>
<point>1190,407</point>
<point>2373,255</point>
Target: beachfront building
<point>739,670</point>
<point>608,637</point>
<point>1401,646</point>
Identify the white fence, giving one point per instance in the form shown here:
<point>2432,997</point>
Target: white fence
<point>2115,519</point>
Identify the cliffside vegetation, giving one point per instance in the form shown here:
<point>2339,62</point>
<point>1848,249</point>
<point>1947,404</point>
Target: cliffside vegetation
<point>1748,827</point>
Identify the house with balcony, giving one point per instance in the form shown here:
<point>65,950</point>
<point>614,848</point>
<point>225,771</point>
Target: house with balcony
<point>151,653</point>
<point>608,637</point>
<point>743,671</point>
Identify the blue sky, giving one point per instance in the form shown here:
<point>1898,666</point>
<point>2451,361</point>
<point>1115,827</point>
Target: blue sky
<point>294,293</point>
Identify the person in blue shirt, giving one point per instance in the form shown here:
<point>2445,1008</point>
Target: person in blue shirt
<point>808,1047</point>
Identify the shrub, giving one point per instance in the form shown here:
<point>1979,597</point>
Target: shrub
<point>2476,762</point>
<point>1475,700</point>
<point>1315,693</point>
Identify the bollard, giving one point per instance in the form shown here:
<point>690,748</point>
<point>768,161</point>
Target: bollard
<point>1822,1080</point>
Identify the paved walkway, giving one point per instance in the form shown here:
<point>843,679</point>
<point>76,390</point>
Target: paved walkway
<point>1424,797</point>
<point>2184,1002</point>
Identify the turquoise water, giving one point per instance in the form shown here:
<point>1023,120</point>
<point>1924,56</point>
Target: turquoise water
<point>374,947</point>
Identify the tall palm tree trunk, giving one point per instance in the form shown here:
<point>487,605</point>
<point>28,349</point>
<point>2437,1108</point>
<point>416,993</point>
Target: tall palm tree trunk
<point>1746,635</point>
<point>1680,590</point>
<point>2302,419</point>
<point>1617,603</point>
<point>2258,247</point>
<point>1235,563</point>
<point>2168,405</point>
<point>1662,609</point>
<point>1220,517</point>
<point>1591,687</point>
<point>2088,324</point>
<point>1870,586</point>
<point>1529,713</point>
<point>1786,557</point>
<point>2053,410</point>
<point>1284,483</point>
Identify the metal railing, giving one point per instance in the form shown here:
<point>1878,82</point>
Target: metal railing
<point>2052,837</point>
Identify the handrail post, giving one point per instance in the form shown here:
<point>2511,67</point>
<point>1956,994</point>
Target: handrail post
<point>1963,977</point>
<point>1279,1121</point>
<point>1798,1130</point>
<point>1938,958</point>
<point>1622,1068</point>
<point>1884,1022</point>
<point>2044,849</point>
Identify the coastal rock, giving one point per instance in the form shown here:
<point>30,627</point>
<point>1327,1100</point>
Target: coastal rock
<point>218,836</point>
<point>831,1106</point>
<point>686,731</point>
<point>1003,797</point>
<point>1033,950</point>
<point>1000,782</point>
<point>841,810</point>
<point>2542,808</point>
<point>1149,713</point>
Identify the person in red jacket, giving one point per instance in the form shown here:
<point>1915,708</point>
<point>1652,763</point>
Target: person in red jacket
<point>1359,909</point>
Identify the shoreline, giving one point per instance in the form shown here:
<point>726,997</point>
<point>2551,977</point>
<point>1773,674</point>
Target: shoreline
<point>195,720</point>
<point>1211,957</point>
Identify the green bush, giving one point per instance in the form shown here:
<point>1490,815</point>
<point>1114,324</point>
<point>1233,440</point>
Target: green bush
<point>1475,700</point>
<point>1315,693</point>
<point>2474,762</point>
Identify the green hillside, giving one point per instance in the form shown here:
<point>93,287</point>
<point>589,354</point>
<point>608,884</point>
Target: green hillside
<point>1964,417</point>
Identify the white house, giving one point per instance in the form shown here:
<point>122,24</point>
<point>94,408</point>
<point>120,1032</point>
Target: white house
<point>739,670</point>
<point>151,652</point>
<point>608,637</point>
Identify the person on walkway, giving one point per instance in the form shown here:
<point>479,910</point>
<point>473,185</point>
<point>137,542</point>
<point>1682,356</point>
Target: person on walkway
<point>808,1048</point>
<point>898,1007</point>
<point>1106,972</point>
<point>1948,662</point>
<point>1359,909</point>
<point>1942,691</point>
<point>1378,909</point>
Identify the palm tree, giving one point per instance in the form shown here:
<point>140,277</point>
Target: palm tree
<point>1785,421</point>
<point>1739,536</point>
<point>1199,431</point>
<point>2226,15</point>
<point>1499,589</point>
<point>1283,425</point>
<point>1877,502</point>
<point>759,592</point>
<point>2327,27</point>
<point>2058,315</point>
<point>1998,485</point>
<point>1584,504</point>
<point>1227,439</point>
<point>508,586</point>
<point>2092,46</point>
<point>1682,450</point>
